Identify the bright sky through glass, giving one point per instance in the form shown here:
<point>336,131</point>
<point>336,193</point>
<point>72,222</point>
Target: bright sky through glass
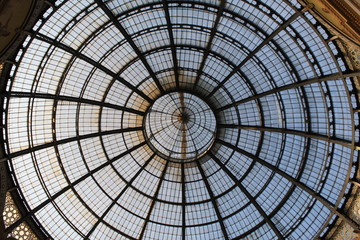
<point>278,133</point>
<point>180,127</point>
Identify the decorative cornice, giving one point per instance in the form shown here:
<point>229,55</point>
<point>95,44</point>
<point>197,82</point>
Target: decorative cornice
<point>342,15</point>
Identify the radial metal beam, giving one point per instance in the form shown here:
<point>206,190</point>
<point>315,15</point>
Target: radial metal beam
<point>67,140</point>
<point>291,86</point>
<point>183,126</point>
<point>288,192</point>
<point>248,195</point>
<point>183,201</point>
<point>296,182</point>
<point>87,59</point>
<point>73,184</point>
<point>213,200</point>
<point>162,177</point>
<point>172,43</point>
<point>261,45</point>
<point>128,184</point>
<point>128,38</point>
<point>329,139</point>
<point>211,38</point>
<point>70,99</point>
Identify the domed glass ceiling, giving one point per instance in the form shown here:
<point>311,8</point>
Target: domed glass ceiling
<point>180,120</point>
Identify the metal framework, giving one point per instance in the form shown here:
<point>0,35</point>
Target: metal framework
<point>179,120</point>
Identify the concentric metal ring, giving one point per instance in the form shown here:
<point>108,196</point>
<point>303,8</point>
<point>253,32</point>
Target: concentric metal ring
<point>104,94</point>
<point>180,127</point>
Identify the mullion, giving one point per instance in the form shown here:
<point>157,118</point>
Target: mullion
<point>329,139</point>
<point>296,182</point>
<point>128,184</point>
<point>290,86</point>
<point>67,140</point>
<point>71,99</point>
<point>162,177</point>
<point>128,38</point>
<point>73,184</point>
<point>183,201</point>
<point>213,200</point>
<point>172,43</point>
<point>257,49</point>
<point>248,195</point>
<point>209,44</point>
<point>83,57</point>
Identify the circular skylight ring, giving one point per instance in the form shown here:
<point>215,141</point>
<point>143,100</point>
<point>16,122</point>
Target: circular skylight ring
<point>259,136</point>
<point>180,127</point>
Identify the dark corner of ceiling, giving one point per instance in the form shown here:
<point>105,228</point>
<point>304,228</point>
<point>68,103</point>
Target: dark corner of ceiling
<point>17,17</point>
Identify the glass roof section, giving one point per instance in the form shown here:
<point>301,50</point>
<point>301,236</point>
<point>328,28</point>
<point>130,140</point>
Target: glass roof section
<point>168,119</point>
<point>180,127</point>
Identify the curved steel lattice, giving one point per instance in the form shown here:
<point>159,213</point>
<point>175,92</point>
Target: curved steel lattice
<point>180,120</point>
<point>180,127</point>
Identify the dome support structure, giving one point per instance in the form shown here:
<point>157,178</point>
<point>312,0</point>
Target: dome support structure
<point>117,24</point>
<point>62,191</point>
<point>248,195</point>
<point>172,43</point>
<point>296,182</point>
<point>257,138</point>
<point>261,45</point>
<point>291,86</point>
<point>90,61</point>
<point>210,42</point>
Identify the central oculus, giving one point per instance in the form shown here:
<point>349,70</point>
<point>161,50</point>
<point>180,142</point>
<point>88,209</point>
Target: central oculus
<point>180,127</point>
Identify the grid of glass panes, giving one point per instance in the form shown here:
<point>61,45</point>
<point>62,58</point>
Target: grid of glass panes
<point>78,97</point>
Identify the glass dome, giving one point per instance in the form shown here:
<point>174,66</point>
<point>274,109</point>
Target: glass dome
<point>200,119</point>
